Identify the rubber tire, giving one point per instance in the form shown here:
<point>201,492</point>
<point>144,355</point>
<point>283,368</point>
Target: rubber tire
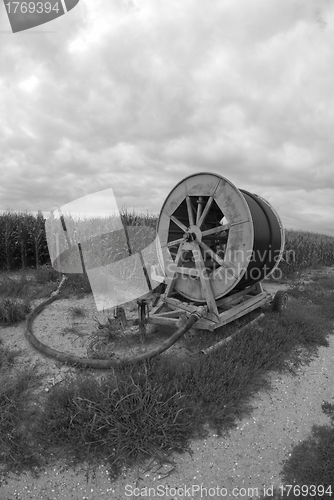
<point>280,301</point>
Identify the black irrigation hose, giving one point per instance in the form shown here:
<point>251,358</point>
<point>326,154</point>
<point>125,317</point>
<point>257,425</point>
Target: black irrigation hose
<point>102,364</point>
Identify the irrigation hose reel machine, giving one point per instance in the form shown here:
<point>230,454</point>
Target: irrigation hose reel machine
<point>216,245</point>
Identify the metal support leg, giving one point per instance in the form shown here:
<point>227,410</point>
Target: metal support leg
<point>142,317</point>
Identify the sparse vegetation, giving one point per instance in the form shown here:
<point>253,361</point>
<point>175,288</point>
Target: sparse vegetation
<point>7,357</point>
<point>77,312</point>
<point>320,294</point>
<point>13,310</point>
<point>17,447</point>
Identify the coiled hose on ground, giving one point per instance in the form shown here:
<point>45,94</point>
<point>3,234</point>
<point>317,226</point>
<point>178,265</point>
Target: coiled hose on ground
<point>103,364</point>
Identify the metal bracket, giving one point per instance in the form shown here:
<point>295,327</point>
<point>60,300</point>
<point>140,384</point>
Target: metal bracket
<point>143,314</point>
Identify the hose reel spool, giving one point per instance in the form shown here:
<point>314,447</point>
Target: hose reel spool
<point>239,235</point>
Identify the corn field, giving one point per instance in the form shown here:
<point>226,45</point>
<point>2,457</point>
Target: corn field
<point>23,240</point>
<point>304,249</point>
<point>23,243</point>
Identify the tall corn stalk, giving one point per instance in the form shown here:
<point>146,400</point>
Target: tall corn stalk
<point>38,237</point>
<point>7,235</point>
<point>23,233</point>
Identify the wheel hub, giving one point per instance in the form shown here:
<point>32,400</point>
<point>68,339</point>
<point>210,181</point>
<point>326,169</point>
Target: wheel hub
<point>193,233</point>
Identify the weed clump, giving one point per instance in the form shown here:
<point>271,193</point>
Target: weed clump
<point>7,357</point>
<point>125,420</point>
<point>13,310</point>
<point>17,449</point>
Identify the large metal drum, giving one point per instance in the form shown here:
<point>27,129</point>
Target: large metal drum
<point>239,235</point>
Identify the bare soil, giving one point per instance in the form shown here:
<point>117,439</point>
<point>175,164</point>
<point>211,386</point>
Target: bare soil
<point>250,456</point>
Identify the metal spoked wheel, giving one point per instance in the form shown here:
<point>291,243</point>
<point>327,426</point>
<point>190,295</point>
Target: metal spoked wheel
<point>209,232</point>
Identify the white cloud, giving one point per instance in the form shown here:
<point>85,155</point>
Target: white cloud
<point>29,84</point>
<point>134,96</point>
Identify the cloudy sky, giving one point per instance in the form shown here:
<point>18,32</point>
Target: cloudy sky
<point>135,95</point>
